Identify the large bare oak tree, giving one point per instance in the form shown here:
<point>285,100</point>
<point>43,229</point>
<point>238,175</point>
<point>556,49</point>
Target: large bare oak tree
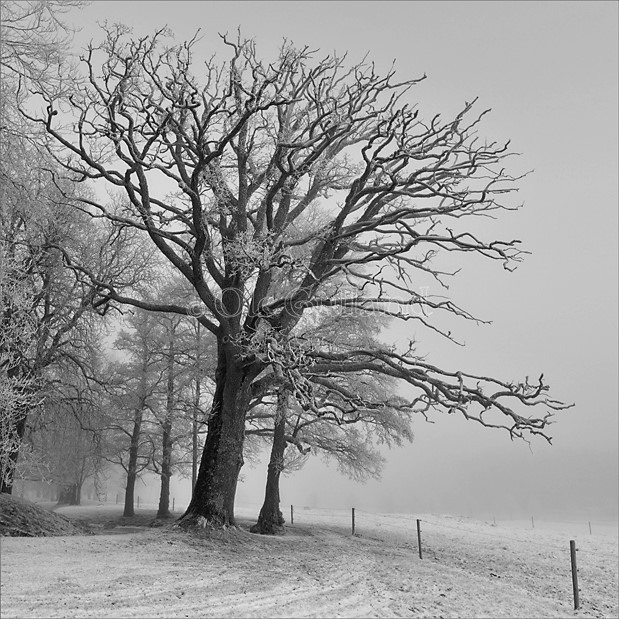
<point>224,166</point>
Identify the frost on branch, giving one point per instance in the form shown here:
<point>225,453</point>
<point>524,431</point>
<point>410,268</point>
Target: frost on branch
<point>281,189</point>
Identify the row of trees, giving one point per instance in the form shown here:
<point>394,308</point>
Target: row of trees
<point>297,204</point>
<point>143,404</point>
<point>133,408</point>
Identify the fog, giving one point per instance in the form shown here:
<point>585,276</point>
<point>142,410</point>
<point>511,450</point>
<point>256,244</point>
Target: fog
<point>549,72</point>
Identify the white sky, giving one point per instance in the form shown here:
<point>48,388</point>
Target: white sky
<point>549,72</point>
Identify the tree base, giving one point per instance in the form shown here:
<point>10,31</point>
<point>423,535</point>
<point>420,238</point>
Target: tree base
<point>273,525</point>
<point>197,522</point>
<point>69,495</point>
<point>268,528</point>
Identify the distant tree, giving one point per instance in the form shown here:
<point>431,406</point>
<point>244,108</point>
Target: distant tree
<point>168,416</point>
<point>71,450</point>
<point>132,385</point>
<point>35,40</point>
<point>176,406</point>
<point>193,379</point>
<point>61,445</point>
<point>218,170</point>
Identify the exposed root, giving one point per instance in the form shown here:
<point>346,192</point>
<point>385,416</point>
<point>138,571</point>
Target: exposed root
<point>196,522</point>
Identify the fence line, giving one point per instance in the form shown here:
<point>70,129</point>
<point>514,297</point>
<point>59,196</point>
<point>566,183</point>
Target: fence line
<point>357,523</point>
<point>514,539</point>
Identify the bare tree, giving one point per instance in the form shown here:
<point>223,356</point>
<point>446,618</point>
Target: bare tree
<point>35,38</point>
<point>133,387</point>
<point>218,172</point>
<point>192,393</point>
<point>343,416</point>
<point>44,307</point>
<point>270,518</point>
<point>70,447</point>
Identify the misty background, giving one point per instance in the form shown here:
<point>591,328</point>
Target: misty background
<point>549,71</point>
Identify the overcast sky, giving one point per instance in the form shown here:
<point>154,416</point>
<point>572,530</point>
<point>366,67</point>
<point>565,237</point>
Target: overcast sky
<point>549,72</point>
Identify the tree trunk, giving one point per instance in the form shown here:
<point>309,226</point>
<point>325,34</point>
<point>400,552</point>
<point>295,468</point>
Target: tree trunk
<point>194,415</point>
<point>271,519</point>
<point>10,450</point>
<point>166,437</point>
<point>129,510</point>
<point>70,494</point>
<point>194,437</point>
<point>212,501</point>
<point>132,466</point>
<point>166,471</point>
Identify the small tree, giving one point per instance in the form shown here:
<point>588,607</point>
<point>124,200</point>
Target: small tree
<point>244,153</point>
<point>133,386</point>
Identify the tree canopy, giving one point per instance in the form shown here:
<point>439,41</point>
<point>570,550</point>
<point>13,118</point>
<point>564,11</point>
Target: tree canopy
<point>279,190</point>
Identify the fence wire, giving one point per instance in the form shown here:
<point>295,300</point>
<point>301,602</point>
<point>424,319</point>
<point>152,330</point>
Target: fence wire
<point>377,521</point>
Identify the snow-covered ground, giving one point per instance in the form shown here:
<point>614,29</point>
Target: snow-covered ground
<point>469,568</point>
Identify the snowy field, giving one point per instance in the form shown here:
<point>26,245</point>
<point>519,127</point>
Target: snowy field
<point>469,568</point>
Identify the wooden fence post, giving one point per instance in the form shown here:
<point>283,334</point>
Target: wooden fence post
<point>353,520</point>
<point>574,574</point>
<point>291,514</point>
<point>419,537</point>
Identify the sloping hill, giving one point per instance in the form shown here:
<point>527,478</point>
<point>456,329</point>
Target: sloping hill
<point>20,518</point>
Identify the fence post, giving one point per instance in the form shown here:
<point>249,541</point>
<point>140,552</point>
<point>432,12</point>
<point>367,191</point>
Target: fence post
<point>532,523</point>
<point>419,537</point>
<point>574,574</point>
<point>291,514</point>
<point>589,527</point>
<point>353,520</point>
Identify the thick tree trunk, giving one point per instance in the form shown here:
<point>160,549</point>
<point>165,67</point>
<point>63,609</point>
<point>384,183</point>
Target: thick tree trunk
<point>132,466</point>
<point>129,510</point>
<point>271,519</point>
<point>212,502</point>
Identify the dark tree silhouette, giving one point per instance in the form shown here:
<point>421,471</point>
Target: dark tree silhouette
<point>223,171</point>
